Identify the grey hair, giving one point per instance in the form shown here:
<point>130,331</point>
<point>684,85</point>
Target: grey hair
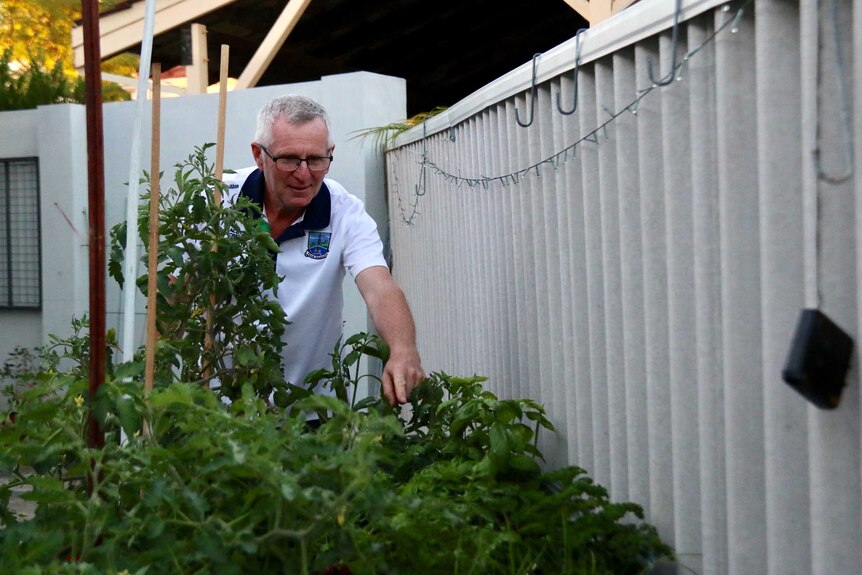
<point>294,109</point>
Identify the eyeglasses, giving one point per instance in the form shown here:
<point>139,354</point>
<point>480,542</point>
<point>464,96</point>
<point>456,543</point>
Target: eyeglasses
<point>291,163</point>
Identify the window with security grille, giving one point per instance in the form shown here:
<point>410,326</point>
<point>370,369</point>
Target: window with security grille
<point>20,247</point>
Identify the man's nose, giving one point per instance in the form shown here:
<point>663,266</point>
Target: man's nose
<point>303,166</point>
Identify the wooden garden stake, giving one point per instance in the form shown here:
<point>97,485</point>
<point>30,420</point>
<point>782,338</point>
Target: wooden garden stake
<point>222,112</point>
<point>219,168</point>
<point>152,262</point>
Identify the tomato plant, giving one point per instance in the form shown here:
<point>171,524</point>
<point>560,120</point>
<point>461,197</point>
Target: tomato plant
<point>243,488</point>
<point>217,322</point>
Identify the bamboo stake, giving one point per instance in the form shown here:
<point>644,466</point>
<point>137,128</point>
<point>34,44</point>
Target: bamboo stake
<point>219,169</point>
<point>152,262</point>
<point>222,108</point>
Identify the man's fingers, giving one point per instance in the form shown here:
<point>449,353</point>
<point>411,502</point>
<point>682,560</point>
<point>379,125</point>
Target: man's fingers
<point>389,394</point>
<point>388,390</point>
<point>401,388</point>
<point>399,380</point>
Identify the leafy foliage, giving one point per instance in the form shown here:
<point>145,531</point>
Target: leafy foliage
<point>218,325</point>
<point>24,368</point>
<point>383,136</point>
<point>241,488</point>
<point>34,84</point>
<point>48,72</point>
<point>43,23</point>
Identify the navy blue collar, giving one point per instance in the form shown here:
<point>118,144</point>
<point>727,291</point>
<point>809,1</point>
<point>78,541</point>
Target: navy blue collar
<point>317,212</point>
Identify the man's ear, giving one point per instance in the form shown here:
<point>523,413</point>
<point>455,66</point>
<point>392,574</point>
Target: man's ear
<point>258,155</point>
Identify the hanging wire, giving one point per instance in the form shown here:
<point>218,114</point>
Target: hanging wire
<point>423,159</point>
<point>570,151</point>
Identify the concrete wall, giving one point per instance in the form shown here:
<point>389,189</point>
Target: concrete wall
<point>57,135</point>
<point>19,139</point>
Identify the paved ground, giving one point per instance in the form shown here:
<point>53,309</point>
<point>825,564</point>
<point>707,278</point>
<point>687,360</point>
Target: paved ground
<point>24,509</point>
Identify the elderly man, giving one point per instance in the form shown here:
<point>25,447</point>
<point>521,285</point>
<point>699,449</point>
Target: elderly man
<point>322,231</point>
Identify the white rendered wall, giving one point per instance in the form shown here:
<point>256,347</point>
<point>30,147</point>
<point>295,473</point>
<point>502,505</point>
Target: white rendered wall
<point>19,139</point>
<point>57,135</point>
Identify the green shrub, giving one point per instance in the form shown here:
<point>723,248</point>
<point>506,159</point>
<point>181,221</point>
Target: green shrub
<point>32,84</point>
<point>245,488</point>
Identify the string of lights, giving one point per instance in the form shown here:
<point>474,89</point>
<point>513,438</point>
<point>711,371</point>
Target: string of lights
<point>559,157</point>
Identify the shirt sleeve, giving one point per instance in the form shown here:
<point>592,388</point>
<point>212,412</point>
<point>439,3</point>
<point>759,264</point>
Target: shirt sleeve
<point>363,248</point>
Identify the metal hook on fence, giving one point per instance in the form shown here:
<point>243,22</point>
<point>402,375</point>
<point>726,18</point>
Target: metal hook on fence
<point>674,42</point>
<point>532,104</point>
<point>420,188</point>
<point>577,69</point>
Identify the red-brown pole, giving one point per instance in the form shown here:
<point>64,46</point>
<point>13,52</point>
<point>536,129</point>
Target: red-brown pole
<point>96,200</point>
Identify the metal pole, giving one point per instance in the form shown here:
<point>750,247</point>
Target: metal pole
<point>96,201</point>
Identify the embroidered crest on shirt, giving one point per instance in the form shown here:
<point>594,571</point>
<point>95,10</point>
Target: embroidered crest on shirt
<point>318,245</point>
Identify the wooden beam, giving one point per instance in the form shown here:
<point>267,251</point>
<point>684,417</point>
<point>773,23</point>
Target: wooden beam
<point>619,5</point>
<point>600,10</point>
<point>594,11</point>
<point>197,74</point>
<point>123,29</point>
<point>582,7</point>
<point>272,43</point>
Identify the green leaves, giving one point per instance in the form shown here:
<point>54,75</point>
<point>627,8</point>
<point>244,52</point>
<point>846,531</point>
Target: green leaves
<point>456,489</point>
<point>214,275</point>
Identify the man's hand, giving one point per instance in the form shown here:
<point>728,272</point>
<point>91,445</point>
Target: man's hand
<point>401,374</point>
<point>394,323</point>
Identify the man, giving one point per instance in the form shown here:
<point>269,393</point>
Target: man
<point>322,232</point>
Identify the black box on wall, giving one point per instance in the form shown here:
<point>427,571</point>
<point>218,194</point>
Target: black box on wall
<point>819,359</point>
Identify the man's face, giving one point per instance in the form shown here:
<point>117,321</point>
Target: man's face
<point>291,192</point>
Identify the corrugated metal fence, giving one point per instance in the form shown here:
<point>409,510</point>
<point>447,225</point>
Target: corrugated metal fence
<point>639,266</point>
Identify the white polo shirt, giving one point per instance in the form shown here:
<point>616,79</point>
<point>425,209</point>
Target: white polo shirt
<point>333,235</point>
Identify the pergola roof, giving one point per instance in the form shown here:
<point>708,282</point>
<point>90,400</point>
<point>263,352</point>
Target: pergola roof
<point>445,50</point>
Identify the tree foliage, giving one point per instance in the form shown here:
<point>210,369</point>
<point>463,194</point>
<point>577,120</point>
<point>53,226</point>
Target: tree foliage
<point>44,23</point>
<point>23,87</point>
<point>36,55</point>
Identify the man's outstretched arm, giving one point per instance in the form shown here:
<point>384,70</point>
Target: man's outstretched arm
<point>394,322</point>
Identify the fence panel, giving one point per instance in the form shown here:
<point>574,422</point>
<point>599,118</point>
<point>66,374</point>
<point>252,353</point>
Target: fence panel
<point>638,265</point>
